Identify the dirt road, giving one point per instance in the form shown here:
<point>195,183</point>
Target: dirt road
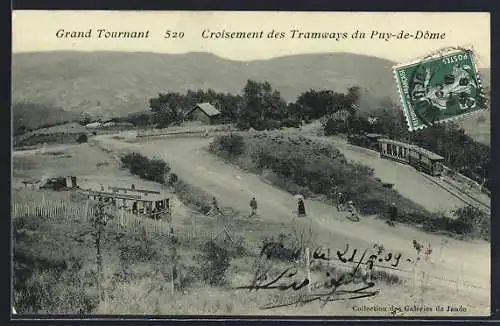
<point>404,178</point>
<point>453,261</point>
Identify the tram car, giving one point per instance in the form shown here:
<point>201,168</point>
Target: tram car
<point>421,159</point>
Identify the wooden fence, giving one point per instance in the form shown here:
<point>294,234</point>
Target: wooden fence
<point>85,211</point>
<point>197,131</point>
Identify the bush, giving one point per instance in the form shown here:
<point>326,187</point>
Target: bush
<point>291,123</point>
<point>214,262</point>
<point>82,139</point>
<point>172,179</point>
<point>47,271</point>
<point>268,125</point>
<point>276,249</point>
<point>232,145</point>
<point>333,127</point>
<point>192,196</point>
<point>467,221</point>
<point>152,170</point>
<point>474,222</point>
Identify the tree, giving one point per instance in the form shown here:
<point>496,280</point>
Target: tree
<point>85,119</point>
<point>96,231</point>
<point>260,104</point>
<point>316,104</point>
<point>167,109</point>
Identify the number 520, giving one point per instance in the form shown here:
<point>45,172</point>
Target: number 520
<point>172,34</point>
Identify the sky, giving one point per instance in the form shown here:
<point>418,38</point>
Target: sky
<point>35,31</point>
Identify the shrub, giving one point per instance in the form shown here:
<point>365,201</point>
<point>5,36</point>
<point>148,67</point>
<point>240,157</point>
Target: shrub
<point>82,139</point>
<point>276,249</point>
<point>172,179</point>
<point>152,170</point>
<point>467,221</point>
<point>47,270</point>
<point>291,123</point>
<point>473,222</point>
<point>333,126</point>
<point>268,124</point>
<point>232,145</point>
<point>214,262</point>
<point>192,196</point>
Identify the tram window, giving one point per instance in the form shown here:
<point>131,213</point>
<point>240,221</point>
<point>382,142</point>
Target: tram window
<point>399,152</point>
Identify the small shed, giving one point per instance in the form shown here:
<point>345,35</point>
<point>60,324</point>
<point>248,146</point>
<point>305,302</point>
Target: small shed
<point>204,112</point>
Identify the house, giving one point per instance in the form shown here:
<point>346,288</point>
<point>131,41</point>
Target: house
<point>204,112</point>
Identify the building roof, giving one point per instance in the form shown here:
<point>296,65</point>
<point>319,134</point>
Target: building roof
<point>432,156</point>
<point>128,196</point>
<point>374,135</point>
<point>207,108</point>
<point>31,181</point>
<point>395,142</point>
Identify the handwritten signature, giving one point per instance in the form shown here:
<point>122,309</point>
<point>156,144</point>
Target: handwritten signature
<point>333,288</point>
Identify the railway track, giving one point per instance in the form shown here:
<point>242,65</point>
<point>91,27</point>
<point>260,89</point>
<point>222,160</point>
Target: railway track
<point>463,196</point>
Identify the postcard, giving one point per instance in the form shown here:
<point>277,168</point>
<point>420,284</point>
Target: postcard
<point>211,163</point>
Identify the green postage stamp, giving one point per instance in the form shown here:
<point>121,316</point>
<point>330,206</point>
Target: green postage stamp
<point>439,88</point>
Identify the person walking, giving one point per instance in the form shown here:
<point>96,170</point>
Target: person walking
<point>301,207</point>
<point>340,201</point>
<point>135,210</point>
<point>353,215</point>
<point>253,206</point>
<point>215,205</point>
<point>393,214</point>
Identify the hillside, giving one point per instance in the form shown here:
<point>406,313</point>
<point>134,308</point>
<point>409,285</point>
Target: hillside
<point>123,82</point>
<point>116,83</point>
<point>36,115</point>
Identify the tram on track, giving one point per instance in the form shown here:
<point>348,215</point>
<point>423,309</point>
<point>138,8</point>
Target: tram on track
<point>421,159</point>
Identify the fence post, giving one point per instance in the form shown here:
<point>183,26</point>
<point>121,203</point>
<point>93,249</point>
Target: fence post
<point>194,226</point>
<point>122,213</point>
<point>308,270</point>
<point>86,210</point>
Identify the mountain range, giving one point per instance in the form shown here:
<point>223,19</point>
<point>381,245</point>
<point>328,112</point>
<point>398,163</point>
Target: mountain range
<point>106,84</point>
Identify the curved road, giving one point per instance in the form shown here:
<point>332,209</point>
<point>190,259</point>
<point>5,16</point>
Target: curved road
<point>453,260</point>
